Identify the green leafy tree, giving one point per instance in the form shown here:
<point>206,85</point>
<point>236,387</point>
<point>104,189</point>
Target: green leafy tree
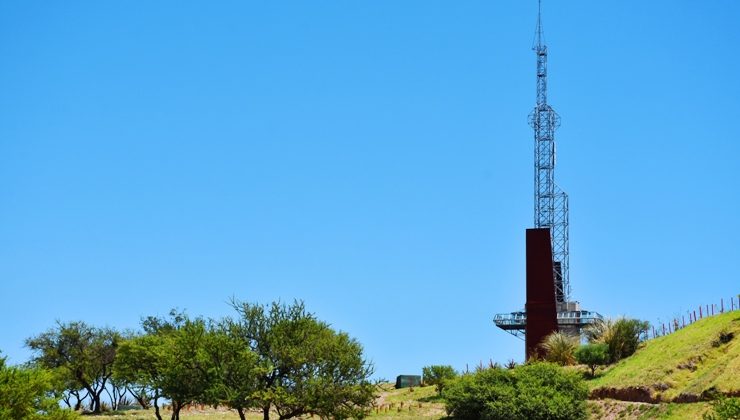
<point>593,355</point>
<point>170,359</point>
<point>234,368</point>
<point>138,363</point>
<point>81,354</point>
<point>438,375</point>
<point>560,348</point>
<point>532,391</point>
<point>305,367</point>
<point>30,393</point>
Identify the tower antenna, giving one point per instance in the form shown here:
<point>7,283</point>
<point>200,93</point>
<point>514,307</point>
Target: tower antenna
<point>550,202</point>
<point>550,213</point>
<point>538,38</point>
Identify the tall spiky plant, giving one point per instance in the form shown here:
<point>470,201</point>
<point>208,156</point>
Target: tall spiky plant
<point>622,335</point>
<point>560,348</point>
<point>601,331</point>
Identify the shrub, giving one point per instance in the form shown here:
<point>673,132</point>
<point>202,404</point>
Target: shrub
<point>30,394</point>
<point>621,335</point>
<point>438,375</point>
<point>533,391</point>
<point>560,348</point>
<point>724,409</point>
<point>593,355</point>
<point>724,337</point>
<point>488,393</point>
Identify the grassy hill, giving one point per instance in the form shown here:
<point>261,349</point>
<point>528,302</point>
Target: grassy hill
<point>684,366</point>
<point>681,366</point>
<point>422,404</point>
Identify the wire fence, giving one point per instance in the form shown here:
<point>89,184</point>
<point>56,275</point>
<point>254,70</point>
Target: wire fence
<point>676,323</point>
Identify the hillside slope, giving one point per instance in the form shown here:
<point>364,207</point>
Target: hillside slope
<point>684,366</point>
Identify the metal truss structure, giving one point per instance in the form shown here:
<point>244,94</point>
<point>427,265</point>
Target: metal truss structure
<point>550,202</point>
<point>550,207</point>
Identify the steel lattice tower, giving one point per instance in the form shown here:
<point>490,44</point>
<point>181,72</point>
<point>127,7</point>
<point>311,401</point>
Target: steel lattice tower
<point>550,211</point>
<point>550,202</point>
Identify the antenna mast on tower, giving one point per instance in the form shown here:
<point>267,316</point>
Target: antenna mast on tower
<point>551,213</point>
<point>550,202</point>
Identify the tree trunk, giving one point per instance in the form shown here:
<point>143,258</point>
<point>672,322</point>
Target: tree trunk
<point>242,416</point>
<point>94,399</point>
<point>140,397</point>
<point>96,405</point>
<point>176,410</point>
<point>78,404</point>
<point>266,413</point>
<point>156,408</point>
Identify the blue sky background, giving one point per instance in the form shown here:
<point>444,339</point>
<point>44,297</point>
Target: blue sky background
<point>371,158</point>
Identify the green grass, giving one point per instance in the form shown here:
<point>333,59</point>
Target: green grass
<point>659,362</point>
<point>638,411</point>
<point>408,403</point>
<point>433,409</point>
<point>395,404</point>
<point>687,361</point>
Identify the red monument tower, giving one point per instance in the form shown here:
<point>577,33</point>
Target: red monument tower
<point>540,307</point>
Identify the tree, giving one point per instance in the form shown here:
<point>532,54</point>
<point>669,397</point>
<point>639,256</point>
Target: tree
<point>532,391</point>
<point>560,348</point>
<point>235,369</point>
<point>305,367</point>
<point>83,355</point>
<point>593,355</point>
<point>438,375</point>
<point>138,363</point>
<point>30,393</point>
<point>170,359</point>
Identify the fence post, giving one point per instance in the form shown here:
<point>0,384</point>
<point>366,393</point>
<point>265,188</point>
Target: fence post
<point>721,305</point>
<point>683,321</point>
<point>700,314</point>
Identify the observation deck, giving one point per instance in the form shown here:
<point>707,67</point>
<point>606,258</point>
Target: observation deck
<point>571,319</point>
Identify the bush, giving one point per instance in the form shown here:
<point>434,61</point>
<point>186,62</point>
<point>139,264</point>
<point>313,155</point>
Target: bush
<point>622,336</point>
<point>532,391</point>
<point>724,337</point>
<point>593,355</point>
<point>560,348</point>
<point>438,375</point>
<point>724,409</point>
<point>29,394</point>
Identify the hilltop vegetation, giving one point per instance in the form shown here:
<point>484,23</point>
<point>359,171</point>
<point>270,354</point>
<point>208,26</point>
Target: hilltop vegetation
<point>280,361</point>
<point>689,365</point>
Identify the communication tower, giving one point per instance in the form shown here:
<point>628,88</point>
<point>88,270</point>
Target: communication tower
<point>550,205</point>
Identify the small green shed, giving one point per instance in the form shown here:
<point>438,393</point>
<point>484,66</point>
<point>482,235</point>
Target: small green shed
<point>406,381</point>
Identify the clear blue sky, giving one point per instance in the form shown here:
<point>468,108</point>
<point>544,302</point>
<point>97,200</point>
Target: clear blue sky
<point>371,158</point>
